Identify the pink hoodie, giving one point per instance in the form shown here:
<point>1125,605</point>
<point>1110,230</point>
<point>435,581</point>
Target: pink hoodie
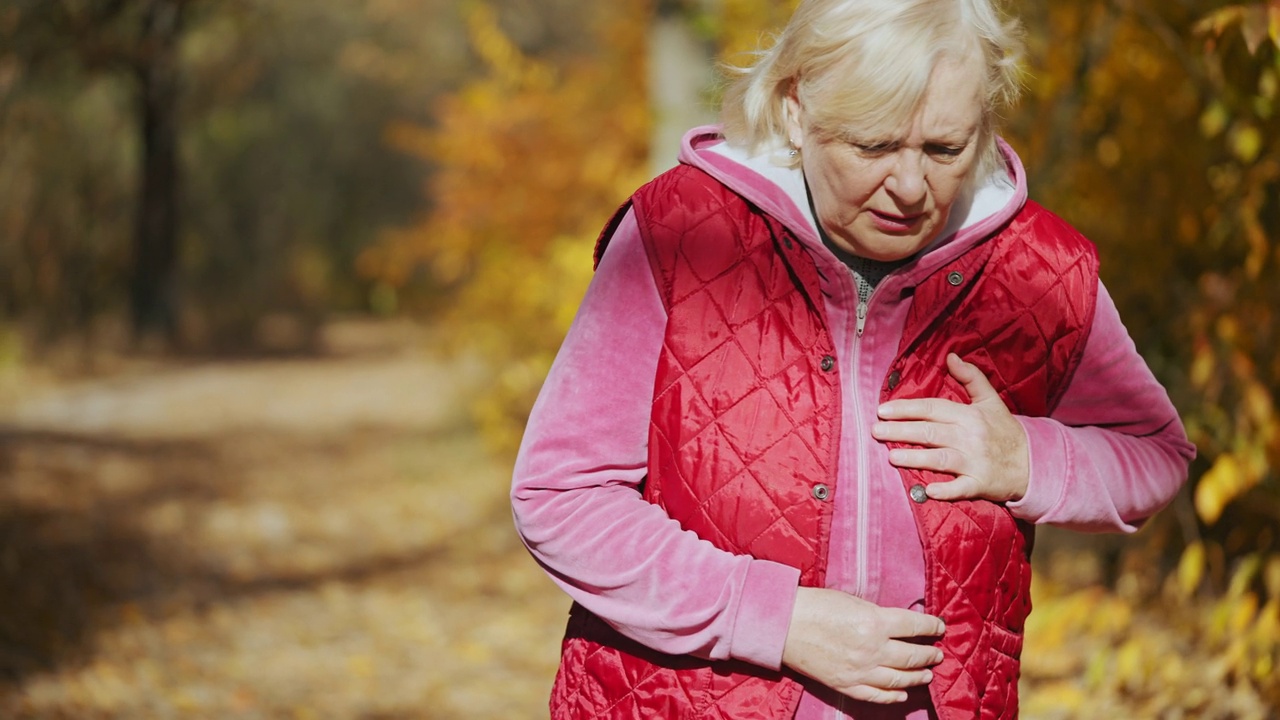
<point>1113,452</point>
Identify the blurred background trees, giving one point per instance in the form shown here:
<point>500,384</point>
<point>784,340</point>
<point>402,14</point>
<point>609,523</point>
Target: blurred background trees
<point>224,175</point>
<point>194,167</point>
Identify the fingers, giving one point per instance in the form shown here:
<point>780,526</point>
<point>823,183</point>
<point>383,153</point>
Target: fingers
<point>885,686</point>
<point>931,409</point>
<point>910,656</point>
<point>926,434</point>
<point>900,623</point>
<point>903,665</point>
<point>943,460</point>
<point>891,679</point>
<point>876,695</point>
<point>858,648</point>
<point>938,410</point>
<point>981,443</point>
<point>975,383</point>
<point>962,488</point>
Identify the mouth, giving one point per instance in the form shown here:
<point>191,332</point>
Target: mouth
<point>894,222</point>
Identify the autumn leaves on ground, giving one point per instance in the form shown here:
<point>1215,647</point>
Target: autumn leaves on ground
<point>317,538</point>
<point>327,537</point>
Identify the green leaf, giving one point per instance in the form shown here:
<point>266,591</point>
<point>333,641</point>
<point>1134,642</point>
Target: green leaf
<point>1214,119</point>
<point>1245,142</point>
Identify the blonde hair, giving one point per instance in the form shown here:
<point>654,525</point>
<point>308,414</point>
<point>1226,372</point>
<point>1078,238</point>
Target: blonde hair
<point>861,67</point>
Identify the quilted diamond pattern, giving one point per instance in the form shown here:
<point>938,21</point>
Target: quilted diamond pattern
<point>1021,314</point>
<point>744,418</point>
<point>743,348</point>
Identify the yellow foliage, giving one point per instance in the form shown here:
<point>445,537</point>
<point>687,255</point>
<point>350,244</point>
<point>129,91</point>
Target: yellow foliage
<point>748,24</point>
<point>1214,119</point>
<point>1267,629</point>
<point>501,55</point>
<point>530,160</point>
<point>1056,699</point>
<point>1271,577</point>
<point>1246,142</point>
<point>1246,572</point>
<point>1243,611</point>
<point>1203,364</point>
<point>1212,658</point>
<point>1259,406</point>
<point>1111,93</point>
<point>1225,481</point>
<point>1191,569</point>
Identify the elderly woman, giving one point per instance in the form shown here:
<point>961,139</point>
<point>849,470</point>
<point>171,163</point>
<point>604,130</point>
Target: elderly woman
<point>831,371</point>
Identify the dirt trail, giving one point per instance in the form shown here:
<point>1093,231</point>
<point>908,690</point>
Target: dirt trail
<point>304,538</point>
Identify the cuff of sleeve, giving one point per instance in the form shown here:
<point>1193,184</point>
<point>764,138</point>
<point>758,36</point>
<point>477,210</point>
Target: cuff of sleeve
<point>1050,467</point>
<point>764,614</point>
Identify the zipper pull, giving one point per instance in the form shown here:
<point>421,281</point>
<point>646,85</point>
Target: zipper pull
<point>862,316</point>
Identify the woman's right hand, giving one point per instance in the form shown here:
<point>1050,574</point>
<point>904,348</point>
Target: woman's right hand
<point>858,648</point>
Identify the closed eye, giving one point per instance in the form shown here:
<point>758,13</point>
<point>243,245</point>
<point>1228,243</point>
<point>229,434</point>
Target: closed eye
<point>877,149</point>
<point>943,150</point>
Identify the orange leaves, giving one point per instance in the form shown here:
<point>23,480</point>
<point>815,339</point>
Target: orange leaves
<point>523,154</point>
<point>530,159</point>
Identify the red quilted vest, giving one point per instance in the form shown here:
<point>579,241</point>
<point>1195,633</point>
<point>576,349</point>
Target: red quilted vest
<point>746,419</point>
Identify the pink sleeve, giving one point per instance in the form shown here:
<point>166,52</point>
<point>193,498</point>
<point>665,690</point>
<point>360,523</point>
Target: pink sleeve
<point>1114,450</point>
<point>575,499</point>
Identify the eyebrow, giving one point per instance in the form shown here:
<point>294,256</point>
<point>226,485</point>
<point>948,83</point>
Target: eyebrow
<point>953,137</point>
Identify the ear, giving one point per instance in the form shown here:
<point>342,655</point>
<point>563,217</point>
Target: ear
<point>794,116</point>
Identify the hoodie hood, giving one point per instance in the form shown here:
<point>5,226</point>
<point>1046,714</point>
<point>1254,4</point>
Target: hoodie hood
<point>765,181</point>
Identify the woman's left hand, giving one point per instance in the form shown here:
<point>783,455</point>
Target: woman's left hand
<point>981,443</point>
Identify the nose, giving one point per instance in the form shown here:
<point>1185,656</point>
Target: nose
<point>905,181</point>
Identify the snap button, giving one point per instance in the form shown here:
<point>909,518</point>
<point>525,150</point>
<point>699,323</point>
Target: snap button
<point>828,362</point>
<point>918,494</point>
<point>787,242</point>
<point>821,492</point>
<point>955,278</point>
<point>894,378</point>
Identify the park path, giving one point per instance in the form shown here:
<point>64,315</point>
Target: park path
<point>328,537</point>
<point>321,537</point>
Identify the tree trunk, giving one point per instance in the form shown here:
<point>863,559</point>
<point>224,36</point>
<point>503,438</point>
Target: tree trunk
<point>153,290</point>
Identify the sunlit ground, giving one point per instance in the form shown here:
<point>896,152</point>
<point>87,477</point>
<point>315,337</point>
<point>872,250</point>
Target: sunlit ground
<point>319,538</point>
<point>327,538</point>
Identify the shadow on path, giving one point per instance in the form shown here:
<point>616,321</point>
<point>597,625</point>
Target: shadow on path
<point>95,530</point>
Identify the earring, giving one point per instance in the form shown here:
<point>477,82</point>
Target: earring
<point>793,152</point>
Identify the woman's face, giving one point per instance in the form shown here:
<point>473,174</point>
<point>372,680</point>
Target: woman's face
<point>887,197</point>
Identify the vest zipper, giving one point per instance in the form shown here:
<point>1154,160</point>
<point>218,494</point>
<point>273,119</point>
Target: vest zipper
<point>864,486</point>
<point>861,432</point>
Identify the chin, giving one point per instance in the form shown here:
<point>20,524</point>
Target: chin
<point>885,247</point>
<point>892,253</point>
